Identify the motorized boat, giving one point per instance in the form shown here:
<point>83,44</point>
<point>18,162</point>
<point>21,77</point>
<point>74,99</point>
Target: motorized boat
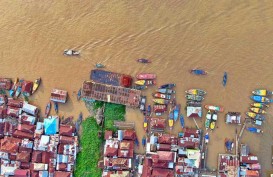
<point>145,82</point>
<point>176,112</point>
<point>170,120</point>
<point>254,130</point>
<point>213,120</point>
<point>255,116</point>
<point>166,91</point>
<point>99,65</point>
<point>259,105</point>
<point>198,72</point>
<point>196,92</point>
<point>149,110</point>
<point>36,84</point>
<point>262,92</point>
<point>194,97</point>
<point>225,77</point>
<point>70,52</point>
<point>207,138</point>
<point>261,99</point>
<point>146,76</point>
<point>214,108</point>
<point>229,144</point>
<point>170,124</point>
<point>162,95</point>
<point>143,60</point>
<point>257,110</point>
<point>139,87</point>
<point>145,124</point>
<point>208,119</point>
<point>56,107</point>
<point>79,94</point>
<point>182,121</point>
<point>167,86</point>
<point>47,109</point>
<point>14,87</point>
<point>19,89</point>
<point>160,101</point>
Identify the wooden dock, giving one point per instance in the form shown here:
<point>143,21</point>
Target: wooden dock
<point>124,125</point>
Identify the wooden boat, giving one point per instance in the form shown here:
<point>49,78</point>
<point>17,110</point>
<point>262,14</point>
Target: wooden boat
<point>166,91</point>
<point>229,144</point>
<point>99,65</point>
<point>14,87</point>
<point>160,101</point>
<point>19,89</point>
<point>225,77</point>
<point>213,120</point>
<point>139,87</point>
<point>145,124</point>
<point>257,110</point>
<point>254,130</point>
<point>56,107</point>
<point>143,141</point>
<point>162,95</point>
<point>143,60</point>
<point>259,105</point>
<point>214,108</point>
<point>198,72</point>
<point>262,92</point>
<point>145,82</point>
<point>167,86</point>
<point>194,97</point>
<point>79,94</point>
<point>208,119</point>
<point>36,84</point>
<point>159,108</point>
<point>170,124</point>
<point>255,116</point>
<point>146,76</point>
<point>170,120</point>
<point>69,52</point>
<point>196,92</point>
<point>149,110</point>
<point>176,112</point>
<point>136,142</point>
<point>261,99</point>
<point>47,109</point>
<point>182,121</point>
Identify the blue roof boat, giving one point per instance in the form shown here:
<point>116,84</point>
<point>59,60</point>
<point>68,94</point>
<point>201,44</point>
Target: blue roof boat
<point>198,72</point>
<point>225,77</point>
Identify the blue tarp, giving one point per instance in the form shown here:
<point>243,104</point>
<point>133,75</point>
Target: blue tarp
<point>51,126</point>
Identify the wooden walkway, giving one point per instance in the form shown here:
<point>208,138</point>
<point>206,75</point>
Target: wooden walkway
<point>124,125</point>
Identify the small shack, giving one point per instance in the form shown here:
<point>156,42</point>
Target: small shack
<point>194,112</point>
<point>27,87</point>
<point>59,96</point>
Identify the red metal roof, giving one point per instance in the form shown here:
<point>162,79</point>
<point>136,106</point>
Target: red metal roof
<point>23,156</point>
<point>21,173</point>
<point>15,103</point>
<point>147,168</point>
<point>62,174</point>
<point>164,147</point>
<point>21,134</point>
<point>159,172</point>
<point>111,152</point>
<point>36,156</point>
<point>165,139</point>
<point>7,145</point>
<point>58,95</point>
<point>66,130</point>
<point>5,83</point>
<point>26,128</point>
<point>157,123</point>
<point>67,139</point>
<point>129,134</point>
<point>108,134</point>
<point>164,156</point>
<point>251,159</point>
<point>27,87</point>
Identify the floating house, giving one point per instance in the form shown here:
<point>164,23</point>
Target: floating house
<point>59,96</point>
<point>5,83</point>
<point>194,112</point>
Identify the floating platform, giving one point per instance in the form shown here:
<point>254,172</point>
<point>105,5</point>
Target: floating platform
<point>112,94</point>
<point>228,165</point>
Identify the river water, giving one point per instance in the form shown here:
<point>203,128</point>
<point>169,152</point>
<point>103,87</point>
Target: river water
<point>232,36</point>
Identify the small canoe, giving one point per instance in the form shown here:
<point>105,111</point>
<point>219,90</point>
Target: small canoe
<point>194,97</point>
<point>259,105</point>
<point>212,125</point>
<point>162,95</point>
<point>149,110</point>
<point>56,107</point>
<point>99,65</point>
<point>251,114</point>
<point>170,124</point>
<point>145,124</point>
<point>47,109</point>
<point>196,92</point>
<point>262,92</point>
<point>143,60</point>
<point>143,141</point>
<point>160,101</point>
<point>79,94</point>
<point>225,77</point>
<point>257,110</point>
<point>260,99</point>
<point>14,87</point>
<point>80,118</point>
<point>176,112</point>
<point>167,86</point>
<point>208,119</point>
<point>139,87</point>
<point>145,82</point>
<point>198,72</point>
<point>19,89</point>
<point>146,76</point>
<point>36,84</point>
<point>182,121</point>
<point>214,108</point>
<point>166,91</point>
<point>136,142</point>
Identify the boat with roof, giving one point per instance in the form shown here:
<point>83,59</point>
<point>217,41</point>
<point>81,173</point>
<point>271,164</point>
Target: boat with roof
<point>262,92</point>
<point>196,92</point>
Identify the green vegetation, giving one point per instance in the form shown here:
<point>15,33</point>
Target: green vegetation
<point>113,112</point>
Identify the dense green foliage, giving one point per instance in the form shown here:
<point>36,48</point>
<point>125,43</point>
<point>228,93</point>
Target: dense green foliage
<point>113,112</point>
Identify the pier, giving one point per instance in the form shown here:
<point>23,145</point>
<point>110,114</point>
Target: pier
<point>124,125</point>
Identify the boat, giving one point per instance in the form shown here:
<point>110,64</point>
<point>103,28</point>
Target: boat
<point>257,110</point>
<point>166,91</point>
<point>69,52</point>
<point>149,110</point>
<point>79,94</point>
<point>255,116</point>
<point>167,86</point>
<point>206,138</point>
<point>145,124</point>
<point>193,103</point>
<point>262,92</point>
<point>198,72</point>
<point>145,82</point>
<point>19,89</point>
<point>146,76</point>
<point>176,112</point>
<point>14,87</point>
<point>233,118</point>
<point>36,84</point>
<point>159,108</point>
<point>139,87</point>
<point>143,103</point>
<point>213,120</point>
<point>225,77</point>
<point>182,121</point>
<point>136,142</point>
<point>254,130</point>
<point>170,124</point>
<point>229,144</point>
<point>162,95</point>
<point>99,65</point>
<point>143,141</point>
<point>47,109</point>
<point>160,101</point>
<point>196,92</point>
<point>56,107</point>
<point>261,99</point>
<point>80,118</point>
<point>214,108</point>
<point>194,97</point>
<point>259,105</point>
<point>208,119</point>
<point>143,60</point>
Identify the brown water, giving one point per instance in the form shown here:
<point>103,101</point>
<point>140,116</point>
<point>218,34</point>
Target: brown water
<point>217,36</point>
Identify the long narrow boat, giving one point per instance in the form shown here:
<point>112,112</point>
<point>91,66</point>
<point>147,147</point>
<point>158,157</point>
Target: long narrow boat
<point>162,95</point>
<point>139,87</point>
<point>259,105</point>
<point>160,101</point>
<point>208,119</point>
<point>145,124</point>
<point>36,84</point>
<point>149,110</point>
<point>167,86</point>
<point>143,60</point>
<point>170,120</point>
<point>136,142</point>
<point>56,107</point>
<point>213,121</point>
<point>260,99</point>
<point>176,112</point>
<point>79,94</point>
<point>194,97</point>
<point>255,116</point>
<point>262,92</point>
<point>47,109</point>
<point>182,121</point>
<point>145,82</point>
<point>257,110</point>
<point>143,141</point>
<point>19,89</point>
<point>166,91</point>
<point>198,72</point>
<point>214,108</point>
<point>146,76</point>
<point>196,92</point>
<point>14,87</point>
<point>225,77</point>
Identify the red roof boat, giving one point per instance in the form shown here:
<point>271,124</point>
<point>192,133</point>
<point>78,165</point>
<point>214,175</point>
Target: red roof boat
<point>146,76</point>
